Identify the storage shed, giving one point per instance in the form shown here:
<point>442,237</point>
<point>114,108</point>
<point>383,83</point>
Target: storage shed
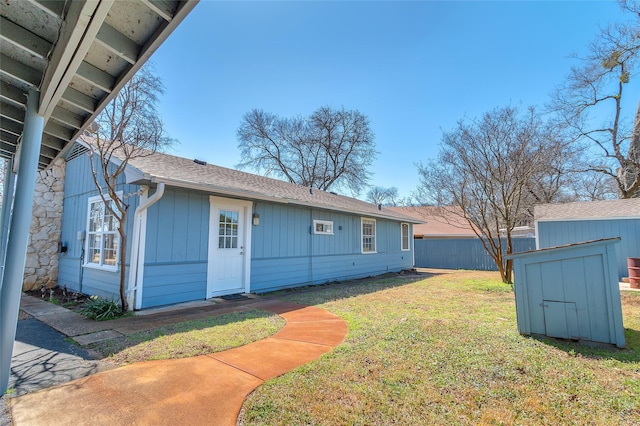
<point>570,292</point>
<point>569,223</point>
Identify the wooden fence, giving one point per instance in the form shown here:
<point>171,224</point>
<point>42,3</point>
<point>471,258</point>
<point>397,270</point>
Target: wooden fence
<point>462,253</point>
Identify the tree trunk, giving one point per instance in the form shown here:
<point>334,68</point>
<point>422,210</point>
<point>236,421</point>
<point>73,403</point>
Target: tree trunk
<point>123,257</point>
<point>508,270</point>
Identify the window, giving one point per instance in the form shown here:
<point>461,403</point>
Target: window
<point>368,235</point>
<point>405,237</point>
<point>228,229</point>
<point>323,227</point>
<point>102,236</point>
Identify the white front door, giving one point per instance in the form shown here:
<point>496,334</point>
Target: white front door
<point>229,246</point>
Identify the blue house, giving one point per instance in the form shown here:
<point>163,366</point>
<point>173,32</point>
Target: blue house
<point>196,231</point>
<point>570,223</point>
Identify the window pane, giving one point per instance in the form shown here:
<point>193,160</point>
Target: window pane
<point>109,254</point>
<point>93,250</point>
<point>110,222</point>
<point>405,236</point>
<point>368,236</point>
<point>221,242</point>
<point>95,216</point>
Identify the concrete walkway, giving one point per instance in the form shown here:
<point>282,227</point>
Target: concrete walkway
<point>207,389</point>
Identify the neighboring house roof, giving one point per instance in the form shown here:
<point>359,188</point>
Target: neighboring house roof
<point>186,173</point>
<point>608,209</point>
<point>440,221</point>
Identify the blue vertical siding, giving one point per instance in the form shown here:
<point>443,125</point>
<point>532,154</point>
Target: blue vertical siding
<point>175,264</point>
<point>567,292</point>
<point>557,233</point>
<point>286,252</point>
<point>78,188</point>
<point>462,253</point>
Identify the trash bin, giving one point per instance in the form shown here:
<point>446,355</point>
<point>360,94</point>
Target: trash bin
<point>634,271</point>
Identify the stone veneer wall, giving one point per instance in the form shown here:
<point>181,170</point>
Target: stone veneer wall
<point>42,252</point>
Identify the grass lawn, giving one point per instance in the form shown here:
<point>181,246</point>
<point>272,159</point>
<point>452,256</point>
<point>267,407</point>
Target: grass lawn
<point>191,338</point>
<point>446,350</point>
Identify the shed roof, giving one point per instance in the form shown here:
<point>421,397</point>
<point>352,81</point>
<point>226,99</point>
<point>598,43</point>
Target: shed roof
<point>440,221</point>
<point>608,209</point>
<point>186,173</point>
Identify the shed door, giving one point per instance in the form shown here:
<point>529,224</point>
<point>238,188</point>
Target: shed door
<point>229,251</point>
<point>561,319</point>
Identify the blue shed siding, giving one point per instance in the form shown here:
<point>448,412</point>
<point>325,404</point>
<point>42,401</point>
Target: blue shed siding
<point>175,267</point>
<point>557,233</point>
<point>78,188</point>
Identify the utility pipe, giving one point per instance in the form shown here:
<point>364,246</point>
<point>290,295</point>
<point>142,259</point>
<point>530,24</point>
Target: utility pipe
<point>137,244</point>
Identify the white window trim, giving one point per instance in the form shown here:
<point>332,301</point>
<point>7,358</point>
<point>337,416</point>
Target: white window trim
<point>408,237</point>
<point>323,222</point>
<point>375,235</point>
<point>86,263</point>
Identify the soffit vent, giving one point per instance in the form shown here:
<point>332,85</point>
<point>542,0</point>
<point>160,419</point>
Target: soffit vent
<point>76,152</point>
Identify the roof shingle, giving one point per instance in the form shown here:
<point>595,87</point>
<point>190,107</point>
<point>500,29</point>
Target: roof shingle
<point>186,173</point>
<point>607,209</point>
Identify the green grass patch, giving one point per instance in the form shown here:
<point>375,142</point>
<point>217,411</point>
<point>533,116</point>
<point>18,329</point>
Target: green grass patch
<point>446,350</point>
<point>191,338</point>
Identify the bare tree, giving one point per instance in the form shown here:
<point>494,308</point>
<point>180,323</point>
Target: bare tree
<point>486,172</point>
<point>596,88</point>
<point>591,186</point>
<point>383,196</point>
<point>129,127</point>
<point>330,149</point>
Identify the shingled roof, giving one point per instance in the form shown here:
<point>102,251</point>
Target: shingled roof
<point>185,173</point>
<point>608,209</point>
<point>440,222</point>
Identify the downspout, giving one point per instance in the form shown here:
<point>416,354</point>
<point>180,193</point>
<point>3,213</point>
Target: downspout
<point>138,243</point>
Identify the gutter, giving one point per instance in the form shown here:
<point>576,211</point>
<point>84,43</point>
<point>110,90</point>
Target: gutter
<point>136,262</point>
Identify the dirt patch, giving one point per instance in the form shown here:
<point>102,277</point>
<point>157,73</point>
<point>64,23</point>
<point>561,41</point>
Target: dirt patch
<point>60,296</point>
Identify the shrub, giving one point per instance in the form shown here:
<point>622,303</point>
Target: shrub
<point>99,309</point>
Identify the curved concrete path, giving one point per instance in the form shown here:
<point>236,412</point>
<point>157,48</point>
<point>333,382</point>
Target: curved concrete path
<point>207,389</point>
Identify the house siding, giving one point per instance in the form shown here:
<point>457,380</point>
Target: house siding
<point>286,252</point>
<point>557,233</point>
<point>175,267</point>
<point>79,187</point>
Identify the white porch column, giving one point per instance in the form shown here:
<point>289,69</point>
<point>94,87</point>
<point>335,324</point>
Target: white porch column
<point>19,234</point>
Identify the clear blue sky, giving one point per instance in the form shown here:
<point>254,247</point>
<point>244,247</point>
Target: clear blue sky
<point>414,68</point>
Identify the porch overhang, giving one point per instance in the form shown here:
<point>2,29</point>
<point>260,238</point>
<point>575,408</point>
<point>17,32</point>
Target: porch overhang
<point>78,55</point>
